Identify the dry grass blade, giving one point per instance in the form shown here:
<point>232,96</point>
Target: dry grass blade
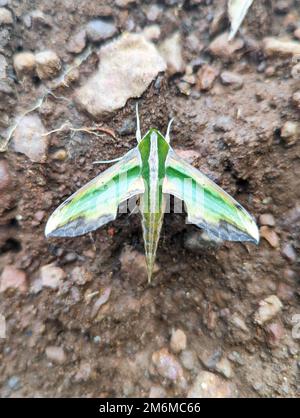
<point>237,10</point>
<point>91,130</point>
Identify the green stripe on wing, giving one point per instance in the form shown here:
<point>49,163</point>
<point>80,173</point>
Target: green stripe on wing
<point>207,205</point>
<point>97,202</point>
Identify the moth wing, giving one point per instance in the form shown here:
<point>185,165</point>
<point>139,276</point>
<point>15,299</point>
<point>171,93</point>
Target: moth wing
<point>97,202</point>
<point>208,206</point>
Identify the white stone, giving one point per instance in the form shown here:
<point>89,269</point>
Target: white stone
<point>6,17</point>
<point>56,354</point>
<point>28,138</point>
<point>47,64</point>
<point>178,341</point>
<point>51,276</point>
<point>269,307</point>
<point>171,50</point>
<point>127,67</point>
<point>24,63</point>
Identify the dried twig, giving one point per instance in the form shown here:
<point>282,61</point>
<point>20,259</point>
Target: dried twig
<point>39,102</point>
<point>61,81</point>
<point>92,130</point>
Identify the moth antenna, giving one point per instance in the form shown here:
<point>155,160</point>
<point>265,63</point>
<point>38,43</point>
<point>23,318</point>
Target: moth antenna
<point>107,161</point>
<point>138,129</point>
<point>168,130</point>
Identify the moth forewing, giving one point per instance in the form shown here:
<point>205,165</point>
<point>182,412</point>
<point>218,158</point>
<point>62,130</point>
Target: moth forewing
<point>96,203</point>
<point>208,206</point>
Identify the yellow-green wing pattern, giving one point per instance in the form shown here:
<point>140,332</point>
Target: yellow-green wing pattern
<point>97,202</point>
<point>208,206</point>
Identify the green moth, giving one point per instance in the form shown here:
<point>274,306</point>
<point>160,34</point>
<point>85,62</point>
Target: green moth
<point>152,171</point>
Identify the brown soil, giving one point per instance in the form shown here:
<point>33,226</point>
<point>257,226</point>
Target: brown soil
<point>197,291</point>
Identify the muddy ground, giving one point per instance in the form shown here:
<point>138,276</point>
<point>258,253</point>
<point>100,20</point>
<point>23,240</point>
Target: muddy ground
<point>89,324</point>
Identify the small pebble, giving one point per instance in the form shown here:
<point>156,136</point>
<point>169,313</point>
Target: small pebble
<point>6,17</point>
<point>288,252</point>
<point>51,276</point>
<point>282,7</point>
<point>48,64</point>
<point>157,392</point>
<point>284,291</point>
<point>236,358</point>
<point>171,51</point>
<point>80,276</point>
<point>278,47</point>
<point>210,358</point>
<point>40,19</point>
<point>222,48</point>
<point>224,367</point>
<point>70,257</point>
<point>223,124</point>
<point>269,235</point>
<point>5,87</point>
<point>60,154</point>
<point>209,385</point>
<point>268,309</point>
<point>289,274</point>
<point>154,12</point>
<point>267,219</point>
<point>39,215</point>
<point>84,372</point>
<point>77,42</point>
<point>105,294</point>
<point>275,332</point>
<point>290,132</point>
<point>297,33</point>
<point>124,3</point>
<point>178,341</point>
<point>189,360</point>
<point>198,241</point>
<point>13,278</point>
<point>24,63</point>
<point>29,138</point>
<point>99,30</point>
<point>270,71</point>
<point>14,383</point>
<point>128,127</point>
<point>56,354</point>
<point>229,78</point>
<point>239,322</point>
<point>184,88</point>
<point>152,33</point>
<point>206,76</point>
<point>168,366</point>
